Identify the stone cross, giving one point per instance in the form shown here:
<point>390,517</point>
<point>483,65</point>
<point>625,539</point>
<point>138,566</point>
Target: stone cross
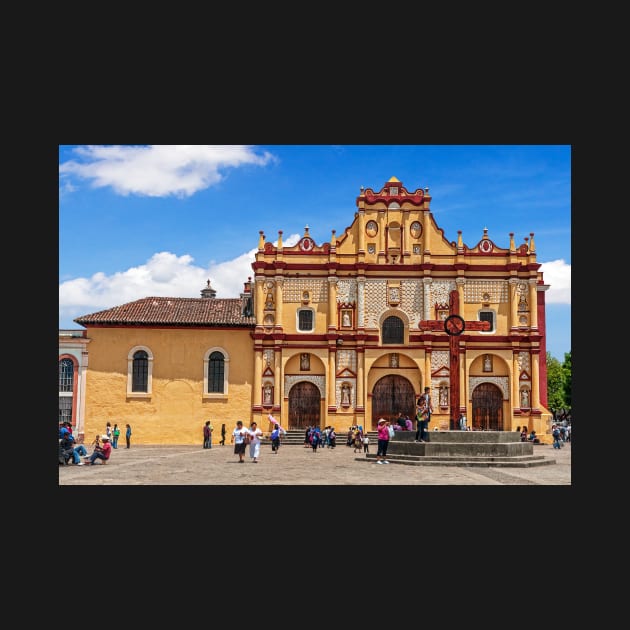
<point>454,326</point>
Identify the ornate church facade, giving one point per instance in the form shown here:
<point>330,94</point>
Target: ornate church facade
<point>339,333</point>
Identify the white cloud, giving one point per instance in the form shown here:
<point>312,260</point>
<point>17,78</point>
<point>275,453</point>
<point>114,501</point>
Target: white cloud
<point>164,275</point>
<point>557,274</point>
<point>157,170</point>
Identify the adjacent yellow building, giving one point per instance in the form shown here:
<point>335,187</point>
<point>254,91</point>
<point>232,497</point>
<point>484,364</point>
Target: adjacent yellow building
<point>339,333</point>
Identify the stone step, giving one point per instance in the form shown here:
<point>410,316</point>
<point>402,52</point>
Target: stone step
<point>514,462</point>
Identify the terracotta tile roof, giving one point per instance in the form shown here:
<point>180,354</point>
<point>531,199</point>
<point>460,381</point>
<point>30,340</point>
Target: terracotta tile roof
<point>165,311</point>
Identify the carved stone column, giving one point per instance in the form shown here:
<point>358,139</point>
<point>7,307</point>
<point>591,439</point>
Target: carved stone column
<point>514,297</point>
<point>361,302</point>
<point>535,356</point>
<point>533,305</point>
<point>332,302</point>
<point>516,398</point>
<point>260,299</point>
<point>279,283</point>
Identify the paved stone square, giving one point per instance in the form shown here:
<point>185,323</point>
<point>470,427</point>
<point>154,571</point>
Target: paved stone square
<point>297,466</point>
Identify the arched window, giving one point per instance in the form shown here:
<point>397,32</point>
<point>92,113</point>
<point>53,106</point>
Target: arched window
<point>393,330</point>
<point>66,389</point>
<point>140,372</point>
<point>66,375</point>
<point>216,373</point>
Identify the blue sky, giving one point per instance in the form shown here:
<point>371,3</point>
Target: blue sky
<point>159,220</point>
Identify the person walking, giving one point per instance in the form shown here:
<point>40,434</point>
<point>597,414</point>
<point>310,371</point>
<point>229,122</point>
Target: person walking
<point>108,431</point>
<point>128,435</point>
<point>555,431</point>
<point>383,441</point>
<point>115,436</point>
<point>222,442</point>
<point>275,439</point>
<point>254,442</point>
<point>207,434</point>
<point>238,439</point>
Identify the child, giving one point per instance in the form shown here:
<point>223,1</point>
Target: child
<point>366,443</point>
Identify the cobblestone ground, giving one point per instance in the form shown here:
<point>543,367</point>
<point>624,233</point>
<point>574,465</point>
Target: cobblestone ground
<point>295,465</point>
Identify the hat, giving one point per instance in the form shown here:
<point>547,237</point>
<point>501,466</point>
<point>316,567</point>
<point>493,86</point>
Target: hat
<point>104,437</point>
<point>382,420</point>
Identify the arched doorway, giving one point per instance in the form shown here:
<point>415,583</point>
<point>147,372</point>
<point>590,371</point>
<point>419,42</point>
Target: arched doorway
<point>392,394</point>
<point>487,408</point>
<point>304,405</point>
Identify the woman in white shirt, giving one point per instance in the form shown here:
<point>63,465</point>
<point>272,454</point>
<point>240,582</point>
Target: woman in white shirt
<point>238,438</point>
<point>254,442</point>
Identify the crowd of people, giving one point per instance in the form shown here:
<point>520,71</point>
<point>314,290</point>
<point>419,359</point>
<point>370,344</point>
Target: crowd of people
<point>71,451</point>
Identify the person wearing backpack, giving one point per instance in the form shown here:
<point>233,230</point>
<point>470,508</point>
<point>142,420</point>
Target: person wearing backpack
<point>556,436</point>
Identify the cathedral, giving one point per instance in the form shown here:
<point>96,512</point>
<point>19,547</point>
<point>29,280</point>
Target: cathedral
<point>338,333</point>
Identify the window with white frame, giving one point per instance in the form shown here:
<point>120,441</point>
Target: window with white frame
<point>305,320</point>
<point>216,372</point>
<point>139,371</point>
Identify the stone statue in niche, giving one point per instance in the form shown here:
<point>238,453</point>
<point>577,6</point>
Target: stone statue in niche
<point>443,396</point>
<point>305,361</point>
<point>345,319</point>
<point>487,363</point>
<point>269,300</point>
<point>524,398</point>
<point>267,400</point>
<point>345,394</point>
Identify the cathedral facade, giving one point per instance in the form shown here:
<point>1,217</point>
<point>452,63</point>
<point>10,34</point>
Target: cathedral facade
<point>340,333</point>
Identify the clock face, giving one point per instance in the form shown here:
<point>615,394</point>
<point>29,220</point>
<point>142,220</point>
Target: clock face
<point>454,325</point>
<point>306,244</point>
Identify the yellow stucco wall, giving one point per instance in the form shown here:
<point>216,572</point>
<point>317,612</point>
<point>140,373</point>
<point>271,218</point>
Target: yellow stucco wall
<point>176,409</point>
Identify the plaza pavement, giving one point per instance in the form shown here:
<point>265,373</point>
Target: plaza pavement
<point>297,466</point>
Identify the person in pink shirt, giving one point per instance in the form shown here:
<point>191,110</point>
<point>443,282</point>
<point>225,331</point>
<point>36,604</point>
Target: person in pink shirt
<point>383,441</point>
<point>100,452</point>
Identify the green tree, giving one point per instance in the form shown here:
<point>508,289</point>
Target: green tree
<point>567,369</point>
<point>555,383</point>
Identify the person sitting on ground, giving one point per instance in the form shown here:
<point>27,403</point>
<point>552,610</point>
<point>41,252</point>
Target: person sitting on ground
<point>66,448</point>
<point>524,434</point>
<point>100,452</point>
<point>78,452</point>
<point>532,438</point>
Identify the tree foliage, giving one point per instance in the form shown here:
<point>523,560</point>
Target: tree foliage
<point>555,383</point>
<point>567,369</point>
